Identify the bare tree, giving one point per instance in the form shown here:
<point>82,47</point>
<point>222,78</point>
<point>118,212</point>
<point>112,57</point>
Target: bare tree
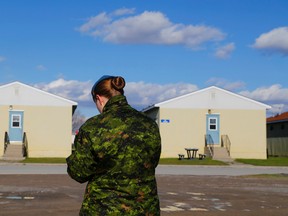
<point>77,120</point>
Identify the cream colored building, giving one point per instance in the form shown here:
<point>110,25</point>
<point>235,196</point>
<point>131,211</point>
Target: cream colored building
<point>43,118</point>
<point>209,120</point>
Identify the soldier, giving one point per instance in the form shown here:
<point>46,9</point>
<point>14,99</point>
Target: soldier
<point>116,152</point>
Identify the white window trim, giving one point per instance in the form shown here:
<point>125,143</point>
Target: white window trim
<point>209,128</point>
<point>20,121</point>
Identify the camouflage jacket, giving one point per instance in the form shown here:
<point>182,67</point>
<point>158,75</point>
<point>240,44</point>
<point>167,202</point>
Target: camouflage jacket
<point>117,152</point>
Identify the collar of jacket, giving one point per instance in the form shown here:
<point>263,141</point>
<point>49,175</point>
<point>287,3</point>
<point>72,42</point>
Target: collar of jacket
<point>115,101</point>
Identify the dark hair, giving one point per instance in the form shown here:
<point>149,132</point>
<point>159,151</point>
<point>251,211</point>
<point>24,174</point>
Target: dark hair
<point>109,87</point>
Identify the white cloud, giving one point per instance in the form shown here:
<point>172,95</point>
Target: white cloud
<point>275,41</point>
<point>277,109</point>
<point>41,68</point>
<point>148,28</point>
<point>2,59</point>
<point>141,95</point>
<point>93,23</point>
<point>123,11</point>
<point>224,52</point>
<point>274,95</point>
<point>226,84</point>
<point>71,89</point>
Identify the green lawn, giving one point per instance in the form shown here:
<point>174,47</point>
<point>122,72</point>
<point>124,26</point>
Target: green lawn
<point>167,161</point>
<point>271,161</point>
<point>176,161</point>
<point>44,160</point>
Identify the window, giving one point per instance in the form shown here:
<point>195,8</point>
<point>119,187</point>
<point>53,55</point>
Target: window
<point>271,128</point>
<point>16,121</point>
<point>212,124</point>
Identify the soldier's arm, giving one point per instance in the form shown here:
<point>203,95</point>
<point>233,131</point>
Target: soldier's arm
<point>80,163</point>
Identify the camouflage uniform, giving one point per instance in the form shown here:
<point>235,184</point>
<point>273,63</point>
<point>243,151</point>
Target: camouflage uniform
<point>117,152</point>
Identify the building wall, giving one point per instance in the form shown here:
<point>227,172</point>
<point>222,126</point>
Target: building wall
<point>187,128</point>
<point>48,129</point>
<point>4,113</point>
<point>277,129</point>
<point>247,132</point>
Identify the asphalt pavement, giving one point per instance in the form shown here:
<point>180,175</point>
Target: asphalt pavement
<point>46,189</point>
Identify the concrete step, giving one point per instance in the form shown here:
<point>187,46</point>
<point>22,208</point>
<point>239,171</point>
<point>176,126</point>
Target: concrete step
<point>13,153</point>
<point>221,154</point>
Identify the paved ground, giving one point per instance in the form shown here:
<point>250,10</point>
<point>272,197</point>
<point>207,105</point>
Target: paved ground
<point>180,195</point>
<point>232,170</point>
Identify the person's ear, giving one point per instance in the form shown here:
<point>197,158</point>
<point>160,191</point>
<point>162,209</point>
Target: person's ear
<point>99,99</point>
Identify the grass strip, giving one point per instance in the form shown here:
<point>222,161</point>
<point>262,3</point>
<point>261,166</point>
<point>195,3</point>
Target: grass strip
<point>271,161</point>
<point>44,160</point>
<point>176,161</point>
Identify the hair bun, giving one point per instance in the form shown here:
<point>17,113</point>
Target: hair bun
<point>118,83</point>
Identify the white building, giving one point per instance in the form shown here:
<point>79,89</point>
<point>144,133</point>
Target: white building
<point>212,117</point>
<point>43,119</point>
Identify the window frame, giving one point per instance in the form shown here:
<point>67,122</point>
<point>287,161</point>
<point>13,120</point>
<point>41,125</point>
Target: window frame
<point>13,121</point>
<point>214,124</point>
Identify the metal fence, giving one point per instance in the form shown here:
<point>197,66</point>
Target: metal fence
<point>277,146</point>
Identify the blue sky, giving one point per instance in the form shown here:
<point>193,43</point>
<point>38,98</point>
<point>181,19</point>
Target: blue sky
<point>163,48</point>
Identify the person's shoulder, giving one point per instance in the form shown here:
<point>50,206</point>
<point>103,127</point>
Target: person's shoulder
<point>90,122</point>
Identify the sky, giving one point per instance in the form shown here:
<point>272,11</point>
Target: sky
<point>163,48</point>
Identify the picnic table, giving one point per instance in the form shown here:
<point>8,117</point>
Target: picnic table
<point>191,152</point>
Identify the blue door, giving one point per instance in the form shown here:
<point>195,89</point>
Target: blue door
<point>16,126</point>
<point>212,129</point>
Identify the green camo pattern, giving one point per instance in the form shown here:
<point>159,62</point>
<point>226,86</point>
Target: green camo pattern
<point>117,152</point>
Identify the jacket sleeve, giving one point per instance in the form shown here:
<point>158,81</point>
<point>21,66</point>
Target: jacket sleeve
<point>81,164</point>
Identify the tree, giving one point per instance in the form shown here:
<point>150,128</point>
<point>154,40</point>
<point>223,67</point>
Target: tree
<point>77,120</point>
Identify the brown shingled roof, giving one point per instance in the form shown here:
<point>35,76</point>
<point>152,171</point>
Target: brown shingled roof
<point>278,117</point>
